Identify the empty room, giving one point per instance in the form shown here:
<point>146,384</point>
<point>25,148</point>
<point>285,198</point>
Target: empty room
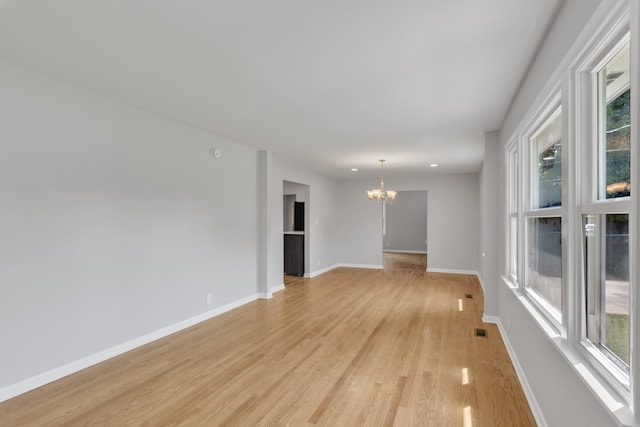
<point>337,213</point>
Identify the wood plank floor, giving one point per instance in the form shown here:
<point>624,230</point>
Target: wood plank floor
<point>397,260</point>
<point>350,347</point>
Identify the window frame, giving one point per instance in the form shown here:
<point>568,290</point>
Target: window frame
<point>513,213</point>
<point>586,81</point>
<point>620,394</point>
<point>550,108</point>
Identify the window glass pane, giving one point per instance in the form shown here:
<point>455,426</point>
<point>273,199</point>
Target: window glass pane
<point>607,273</point>
<point>615,146</point>
<point>544,259</point>
<point>548,149</point>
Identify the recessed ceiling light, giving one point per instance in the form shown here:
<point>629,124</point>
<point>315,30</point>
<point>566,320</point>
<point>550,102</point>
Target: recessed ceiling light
<point>434,165</point>
<point>354,169</point>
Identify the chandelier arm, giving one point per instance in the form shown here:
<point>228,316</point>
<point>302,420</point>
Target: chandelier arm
<point>382,195</point>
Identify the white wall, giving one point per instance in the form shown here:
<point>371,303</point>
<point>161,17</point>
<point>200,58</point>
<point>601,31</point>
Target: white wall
<point>561,395</point>
<point>114,223</point>
<point>407,222</point>
<point>453,220</point>
<point>360,227</point>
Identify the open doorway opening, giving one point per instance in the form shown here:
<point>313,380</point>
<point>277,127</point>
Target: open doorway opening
<point>404,231</point>
<point>296,228</point>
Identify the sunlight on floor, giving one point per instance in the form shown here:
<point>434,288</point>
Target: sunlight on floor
<point>465,376</point>
<point>466,416</point>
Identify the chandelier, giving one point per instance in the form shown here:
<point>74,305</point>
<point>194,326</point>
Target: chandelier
<point>380,194</point>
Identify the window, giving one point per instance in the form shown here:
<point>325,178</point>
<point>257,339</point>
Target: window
<point>543,218</point>
<point>571,218</point>
<point>606,248</point>
<point>606,212</point>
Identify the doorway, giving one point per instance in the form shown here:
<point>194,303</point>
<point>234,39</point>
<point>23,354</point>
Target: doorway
<point>296,236</point>
<point>404,230</point>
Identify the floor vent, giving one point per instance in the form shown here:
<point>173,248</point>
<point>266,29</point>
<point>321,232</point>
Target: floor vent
<point>481,332</point>
<point>468,296</point>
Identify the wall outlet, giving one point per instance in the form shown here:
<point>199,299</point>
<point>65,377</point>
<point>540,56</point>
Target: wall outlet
<point>209,297</point>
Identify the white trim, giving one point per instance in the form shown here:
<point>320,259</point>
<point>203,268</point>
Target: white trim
<point>490,319</point>
<point>345,265</point>
<point>277,289</point>
<point>369,266</point>
<point>321,271</point>
<point>481,281</point>
<point>54,374</point>
<point>528,392</point>
<point>264,295</point>
<point>404,252</point>
<point>452,271</point>
<point>634,243</point>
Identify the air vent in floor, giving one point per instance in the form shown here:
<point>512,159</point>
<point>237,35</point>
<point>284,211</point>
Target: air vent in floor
<point>480,332</point>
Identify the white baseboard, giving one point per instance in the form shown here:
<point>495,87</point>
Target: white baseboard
<point>370,266</point>
<point>404,252</point>
<point>451,271</point>
<point>277,288</point>
<point>491,319</point>
<point>334,266</point>
<point>39,380</point>
<point>321,271</point>
<point>528,392</point>
<point>264,295</point>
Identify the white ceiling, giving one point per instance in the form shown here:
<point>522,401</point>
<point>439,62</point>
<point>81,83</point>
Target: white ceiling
<point>335,83</point>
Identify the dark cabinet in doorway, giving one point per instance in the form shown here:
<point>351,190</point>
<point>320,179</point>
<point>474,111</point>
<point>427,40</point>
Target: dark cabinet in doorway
<point>294,253</point>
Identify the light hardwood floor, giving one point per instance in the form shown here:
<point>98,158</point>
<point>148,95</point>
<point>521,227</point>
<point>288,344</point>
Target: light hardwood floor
<point>397,260</point>
<point>350,347</point>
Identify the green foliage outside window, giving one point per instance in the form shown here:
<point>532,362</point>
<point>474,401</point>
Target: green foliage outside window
<point>618,160</point>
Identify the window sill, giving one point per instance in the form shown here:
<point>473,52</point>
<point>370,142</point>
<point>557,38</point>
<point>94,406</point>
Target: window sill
<point>614,403</point>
